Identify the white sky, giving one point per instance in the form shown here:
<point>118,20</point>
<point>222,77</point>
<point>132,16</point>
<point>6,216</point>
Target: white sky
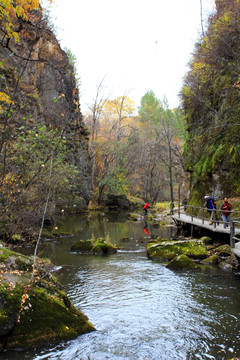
<point>138,45</point>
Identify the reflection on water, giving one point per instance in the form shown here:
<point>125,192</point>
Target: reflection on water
<point>141,309</point>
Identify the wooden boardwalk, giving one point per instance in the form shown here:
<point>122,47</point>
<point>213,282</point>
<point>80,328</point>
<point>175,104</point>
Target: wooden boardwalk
<point>195,221</point>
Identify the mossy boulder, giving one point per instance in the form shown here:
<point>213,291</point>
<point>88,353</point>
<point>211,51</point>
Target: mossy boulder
<point>213,259</point>
<point>223,250</point>
<point>102,246</point>
<point>10,306</point>
<point>47,316</point>
<point>92,246</point>
<point>168,250</point>
<point>206,239</point>
<point>36,312</point>
<point>83,246</point>
<point>182,262</point>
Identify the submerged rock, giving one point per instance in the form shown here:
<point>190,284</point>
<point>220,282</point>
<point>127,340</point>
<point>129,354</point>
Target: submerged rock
<point>167,250</point>
<point>182,262</point>
<point>34,313</point>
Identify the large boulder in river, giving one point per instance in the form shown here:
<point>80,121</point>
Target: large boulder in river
<point>34,313</point>
<point>92,246</point>
<point>117,202</point>
<point>182,262</point>
<point>168,250</point>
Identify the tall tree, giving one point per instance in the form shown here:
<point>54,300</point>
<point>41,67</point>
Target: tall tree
<point>161,128</point>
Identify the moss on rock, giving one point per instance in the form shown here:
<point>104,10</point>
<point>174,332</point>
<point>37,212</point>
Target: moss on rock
<point>92,246</point>
<point>102,246</point>
<point>84,246</point>
<point>206,239</point>
<point>223,250</point>
<point>10,305</point>
<point>34,313</point>
<point>167,250</point>
<point>47,317</point>
<point>182,262</point>
<point>213,259</point>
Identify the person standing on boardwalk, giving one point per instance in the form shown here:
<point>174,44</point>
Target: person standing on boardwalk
<point>211,205</point>
<point>226,208</point>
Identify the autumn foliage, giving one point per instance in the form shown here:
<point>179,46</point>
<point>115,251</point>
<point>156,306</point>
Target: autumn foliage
<point>11,11</point>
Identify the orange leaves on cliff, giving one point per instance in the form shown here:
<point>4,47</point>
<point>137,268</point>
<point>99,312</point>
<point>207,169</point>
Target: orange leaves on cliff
<point>11,10</point>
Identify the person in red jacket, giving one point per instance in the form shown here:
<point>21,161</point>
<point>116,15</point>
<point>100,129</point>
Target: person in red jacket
<point>226,208</point>
<point>146,207</point>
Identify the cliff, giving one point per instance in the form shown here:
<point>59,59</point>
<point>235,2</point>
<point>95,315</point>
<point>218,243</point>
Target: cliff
<point>39,86</point>
<point>210,99</point>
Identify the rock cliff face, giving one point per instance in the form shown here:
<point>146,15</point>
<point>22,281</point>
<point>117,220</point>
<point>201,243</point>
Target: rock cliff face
<point>210,99</point>
<point>36,73</point>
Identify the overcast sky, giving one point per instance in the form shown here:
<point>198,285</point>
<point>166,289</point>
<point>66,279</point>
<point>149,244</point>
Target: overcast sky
<point>136,45</point>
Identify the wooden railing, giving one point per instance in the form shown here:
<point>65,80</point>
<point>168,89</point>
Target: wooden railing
<point>233,238</point>
<point>202,214</point>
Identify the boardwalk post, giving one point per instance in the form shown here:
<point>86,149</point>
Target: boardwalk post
<point>179,209</point>
<point>214,218</point>
<point>191,213</point>
<point>172,208</point>
<point>203,215</point>
<point>232,234</point>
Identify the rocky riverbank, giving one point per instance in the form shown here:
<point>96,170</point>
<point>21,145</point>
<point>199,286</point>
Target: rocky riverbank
<point>191,253</point>
<point>33,313</point>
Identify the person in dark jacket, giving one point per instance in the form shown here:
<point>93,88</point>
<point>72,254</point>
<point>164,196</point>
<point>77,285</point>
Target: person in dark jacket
<point>226,208</point>
<point>211,204</point>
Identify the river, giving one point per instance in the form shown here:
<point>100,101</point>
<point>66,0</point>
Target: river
<point>141,309</point>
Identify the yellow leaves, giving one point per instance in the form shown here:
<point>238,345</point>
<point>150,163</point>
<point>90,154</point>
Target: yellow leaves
<point>225,18</point>
<point>187,91</point>
<point>11,10</point>
<point>4,98</point>
<point>198,66</point>
<point>201,70</point>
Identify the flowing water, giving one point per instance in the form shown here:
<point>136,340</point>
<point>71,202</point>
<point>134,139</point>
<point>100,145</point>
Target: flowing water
<point>141,309</point>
